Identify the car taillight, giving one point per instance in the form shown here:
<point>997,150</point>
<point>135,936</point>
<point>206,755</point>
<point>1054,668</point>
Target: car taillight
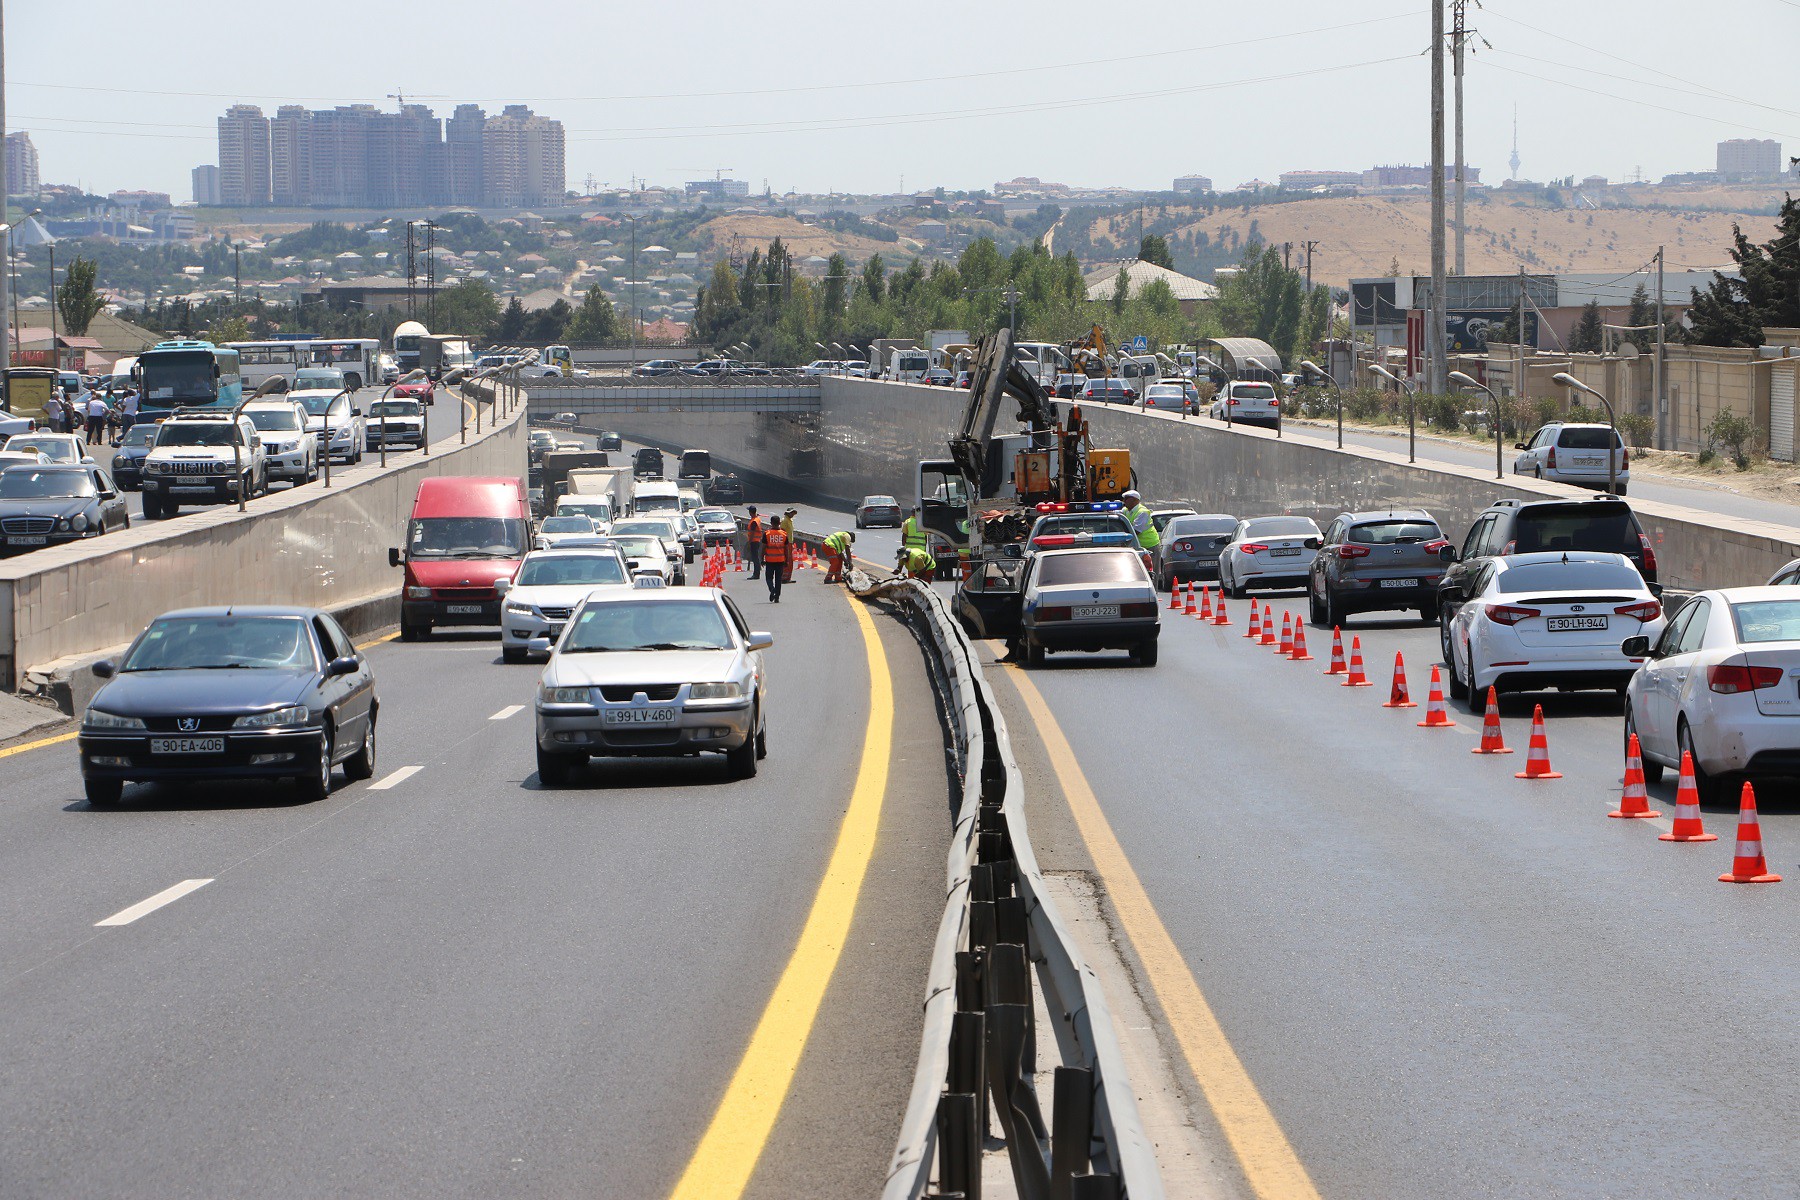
<point>1730,679</point>
<point>1184,544</point>
<point>1130,394</point>
<point>1252,547</point>
<point>1550,460</point>
<point>1054,613</point>
<point>1137,610</point>
<point>1648,610</point>
<point>1509,614</point>
<point>1625,456</point>
<point>1232,402</point>
<point>1149,402</point>
<point>1353,552</point>
<point>1275,403</point>
<point>1649,553</point>
<point>1434,547</point>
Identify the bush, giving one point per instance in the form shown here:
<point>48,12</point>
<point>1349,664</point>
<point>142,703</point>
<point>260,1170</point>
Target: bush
<point>1733,434</point>
<point>1707,457</point>
<point>1545,410</point>
<point>1637,429</point>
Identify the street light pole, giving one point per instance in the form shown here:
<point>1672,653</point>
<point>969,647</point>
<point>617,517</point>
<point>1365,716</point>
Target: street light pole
<point>1612,451</point>
<point>1412,392</point>
<point>1493,413</point>
<point>1313,368</point>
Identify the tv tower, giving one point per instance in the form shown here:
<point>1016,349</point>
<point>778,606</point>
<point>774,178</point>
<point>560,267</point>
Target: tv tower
<point>1513,162</point>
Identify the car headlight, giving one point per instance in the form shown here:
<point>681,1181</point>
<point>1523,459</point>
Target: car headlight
<point>715,691</point>
<point>564,695</point>
<point>78,522</point>
<point>105,720</point>
<point>521,610</point>
<point>154,468</point>
<point>293,714</point>
<point>418,593</point>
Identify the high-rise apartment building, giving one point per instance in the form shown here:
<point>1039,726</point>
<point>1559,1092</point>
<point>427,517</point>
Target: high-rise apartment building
<point>244,156</point>
<point>522,158</point>
<point>21,165</point>
<point>462,154</point>
<point>290,155</point>
<point>340,155</point>
<point>206,185</point>
<point>1749,158</point>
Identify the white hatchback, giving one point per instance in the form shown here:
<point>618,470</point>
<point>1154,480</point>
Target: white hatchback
<point>1555,619</point>
<point>1268,552</point>
<point>1576,454</point>
<point>1722,683</point>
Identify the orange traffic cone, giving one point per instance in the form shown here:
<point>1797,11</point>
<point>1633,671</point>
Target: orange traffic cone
<point>737,561</point>
<point>1634,803</point>
<point>1436,715</point>
<point>1255,629</point>
<point>1337,666</point>
<point>1300,654</point>
<point>1397,697</point>
<point>1286,648</point>
<point>1220,616</point>
<point>1268,627</point>
<point>1688,825</point>
<point>1491,741</point>
<point>1356,678</point>
<point>1175,595</point>
<point>1192,609</point>
<point>1748,865</point>
<point>1206,608</point>
<point>1537,755</point>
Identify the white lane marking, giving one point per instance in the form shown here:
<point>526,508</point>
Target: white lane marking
<point>398,777</point>
<point>508,711</point>
<point>144,908</point>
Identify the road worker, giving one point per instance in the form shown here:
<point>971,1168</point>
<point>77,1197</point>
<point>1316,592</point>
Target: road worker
<point>912,534</point>
<point>1142,523</point>
<point>918,563</point>
<point>777,550</point>
<point>837,555</point>
<point>787,527</point>
<point>753,533</point>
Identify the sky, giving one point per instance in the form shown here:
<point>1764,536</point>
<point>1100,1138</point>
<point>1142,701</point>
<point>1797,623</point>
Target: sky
<point>868,98</point>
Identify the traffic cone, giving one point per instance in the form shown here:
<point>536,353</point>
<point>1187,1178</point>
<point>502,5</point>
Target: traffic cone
<point>1356,678</point>
<point>1255,629</point>
<point>1634,803</point>
<point>1748,865</point>
<point>1300,654</point>
<point>1268,627</point>
<point>1436,715</point>
<point>1220,616</point>
<point>1206,608</point>
<point>1491,741</point>
<point>1537,755</point>
<point>1397,697</point>
<point>1688,825</point>
<point>737,561</point>
<point>1175,595</point>
<point>1192,609</point>
<point>1286,648</point>
<point>1337,666</point>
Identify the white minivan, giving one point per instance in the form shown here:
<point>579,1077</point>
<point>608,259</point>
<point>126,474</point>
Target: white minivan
<point>1250,402</point>
<point>1578,454</point>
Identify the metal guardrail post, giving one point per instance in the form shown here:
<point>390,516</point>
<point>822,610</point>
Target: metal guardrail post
<point>1095,1187</point>
<point>959,1154</point>
<point>1073,1128</point>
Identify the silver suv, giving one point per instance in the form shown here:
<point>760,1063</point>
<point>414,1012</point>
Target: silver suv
<point>1578,454</point>
<point>292,452</point>
<point>203,457</point>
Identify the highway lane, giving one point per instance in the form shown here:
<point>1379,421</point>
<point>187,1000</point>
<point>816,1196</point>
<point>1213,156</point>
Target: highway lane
<point>465,983</point>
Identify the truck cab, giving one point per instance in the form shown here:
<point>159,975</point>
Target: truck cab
<point>465,533</point>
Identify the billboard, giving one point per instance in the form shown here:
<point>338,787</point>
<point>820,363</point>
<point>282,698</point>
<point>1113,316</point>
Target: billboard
<point>1467,332</point>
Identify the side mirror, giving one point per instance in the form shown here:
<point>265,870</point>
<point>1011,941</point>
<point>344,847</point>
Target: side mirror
<point>356,412</point>
<point>1447,554</point>
<point>1313,543</point>
<point>501,587</point>
<point>1635,647</point>
<point>341,666</point>
<point>538,645</point>
<point>393,556</point>
<point>104,669</point>
<point>761,641</point>
<point>1518,445</point>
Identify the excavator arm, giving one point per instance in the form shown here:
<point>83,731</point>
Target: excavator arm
<point>997,375</point>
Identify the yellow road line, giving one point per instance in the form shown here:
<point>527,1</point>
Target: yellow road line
<point>386,637</point>
<point>726,1157</point>
<point>37,745</point>
<point>1268,1159</point>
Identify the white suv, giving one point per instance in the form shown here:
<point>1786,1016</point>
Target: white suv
<point>1576,454</point>
<point>327,407</point>
<point>292,452</point>
<point>204,457</point>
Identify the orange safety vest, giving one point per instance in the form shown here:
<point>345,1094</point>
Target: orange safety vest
<point>775,545</point>
<point>754,529</point>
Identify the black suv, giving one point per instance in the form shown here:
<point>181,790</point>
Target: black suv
<point>1603,523</point>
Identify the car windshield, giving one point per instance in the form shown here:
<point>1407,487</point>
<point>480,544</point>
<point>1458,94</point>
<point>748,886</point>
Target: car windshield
<point>1096,566</point>
<point>316,405</point>
<point>1767,620</point>
<point>140,435</point>
<point>394,408</point>
<point>648,625</point>
<point>465,537</point>
<point>54,449</point>
<point>1389,533</point>
<point>1587,437</point>
<point>1253,391</point>
<point>646,527</point>
<point>33,483</point>
<point>218,643</point>
<point>640,547</point>
<point>1200,526</point>
<point>715,516</point>
<point>567,523</point>
<point>592,509</point>
<point>564,570</point>
<point>196,433</point>
<point>273,420</point>
<point>1580,575</point>
<point>1588,526</point>
<point>1280,527</point>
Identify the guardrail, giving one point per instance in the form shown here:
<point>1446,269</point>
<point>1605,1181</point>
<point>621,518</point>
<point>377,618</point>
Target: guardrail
<point>625,377</point>
<point>980,1039</point>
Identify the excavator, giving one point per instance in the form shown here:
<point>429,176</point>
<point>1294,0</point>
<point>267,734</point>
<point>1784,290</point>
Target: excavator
<point>978,505</point>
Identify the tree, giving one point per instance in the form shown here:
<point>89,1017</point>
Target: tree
<point>1719,315</point>
<point>596,320</point>
<point>1589,334</point>
<point>468,308</point>
<point>512,322</point>
<point>837,272</point>
<point>77,299</point>
<point>1734,312</point>
<point>551,324</point>
<point>231,329</point>
<point>1154,248</point>
<point>874,277</point>
<point>1643,312</point>
<point>1121,290</point>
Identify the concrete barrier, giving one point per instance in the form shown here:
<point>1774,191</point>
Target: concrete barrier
<point>869,435</point>
<point>308,545</point>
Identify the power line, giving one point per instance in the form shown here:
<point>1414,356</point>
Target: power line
<point>1680,112</point>
<point>1706,94</point>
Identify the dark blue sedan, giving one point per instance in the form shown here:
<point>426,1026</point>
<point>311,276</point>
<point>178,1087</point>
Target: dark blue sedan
<point>231,693</point>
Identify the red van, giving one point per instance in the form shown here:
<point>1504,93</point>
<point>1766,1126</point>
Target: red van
<point>465,533</point>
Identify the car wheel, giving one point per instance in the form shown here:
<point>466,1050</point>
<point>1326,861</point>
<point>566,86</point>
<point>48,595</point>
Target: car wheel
<point>1619,489</point>
<point>512,655</point>
<point>1034,654</point>
<point>1459,687</point>
<point>316,784</point>
<point>1708,786</point>
<point>361,765</point>
<point>1334,610</point>
<point>762,742</point>
<point>1429,613</point>
<point>1146,653</point>
<point>1314,612</point>
<point>742,760</point>
<point>556,770</point>
<point>103,793</point>
<point>1653,771</point>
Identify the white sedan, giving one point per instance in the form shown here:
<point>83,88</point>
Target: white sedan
<point>55,447</point>
<point>647,553</point>
<point>1722,683</point>
<point>550,585</point>
<point>1268,552</point>
<point>563,526</point>
<point>1088,599</point>
<point>1554,619</point>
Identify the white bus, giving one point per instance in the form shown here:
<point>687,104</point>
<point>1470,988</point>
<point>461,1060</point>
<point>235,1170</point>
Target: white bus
<point>1043,361</point>
<point>355,357</point>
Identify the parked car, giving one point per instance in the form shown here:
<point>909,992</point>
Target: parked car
<point>879,510</point>
<point>1088,599</point>
<point>292,452</point>
<point>1569,452</point>
<point>1268,552</point>
<point>50,504</point>
<point>662,671</point>
<point>233,692</point>
<point>128,459</point>
<point>1248,402</point>
<point>1534,621</point>
<point>537,602</point>
<point>1718,684</point>
<point>1377,562</point>
<point>1190,548</point>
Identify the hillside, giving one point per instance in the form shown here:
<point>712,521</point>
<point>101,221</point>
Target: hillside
<point>754,231</point>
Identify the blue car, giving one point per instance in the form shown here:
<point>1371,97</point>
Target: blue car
<point>231,693</point>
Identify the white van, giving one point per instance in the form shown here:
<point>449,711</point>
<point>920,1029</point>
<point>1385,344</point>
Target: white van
<point>657,497</point>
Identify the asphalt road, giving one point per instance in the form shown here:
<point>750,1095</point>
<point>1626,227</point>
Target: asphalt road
<point>462,983</point>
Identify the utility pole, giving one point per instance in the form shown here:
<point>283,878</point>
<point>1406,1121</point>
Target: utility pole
<point>1437,357</point>
<point>634,311</point>
<point>412,273</point>
<point>430,276</point>
<point>1309,245</point>
<point>1459,35</point>
<point>237,274</point>
<point>6,232</point>
<point>1656,384</point>
<point>1519,348</point>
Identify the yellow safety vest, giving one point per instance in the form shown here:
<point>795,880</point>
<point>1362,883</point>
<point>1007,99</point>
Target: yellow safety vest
<point>911,534</point>
<point>920,560</point>
<point>1144,526</point>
